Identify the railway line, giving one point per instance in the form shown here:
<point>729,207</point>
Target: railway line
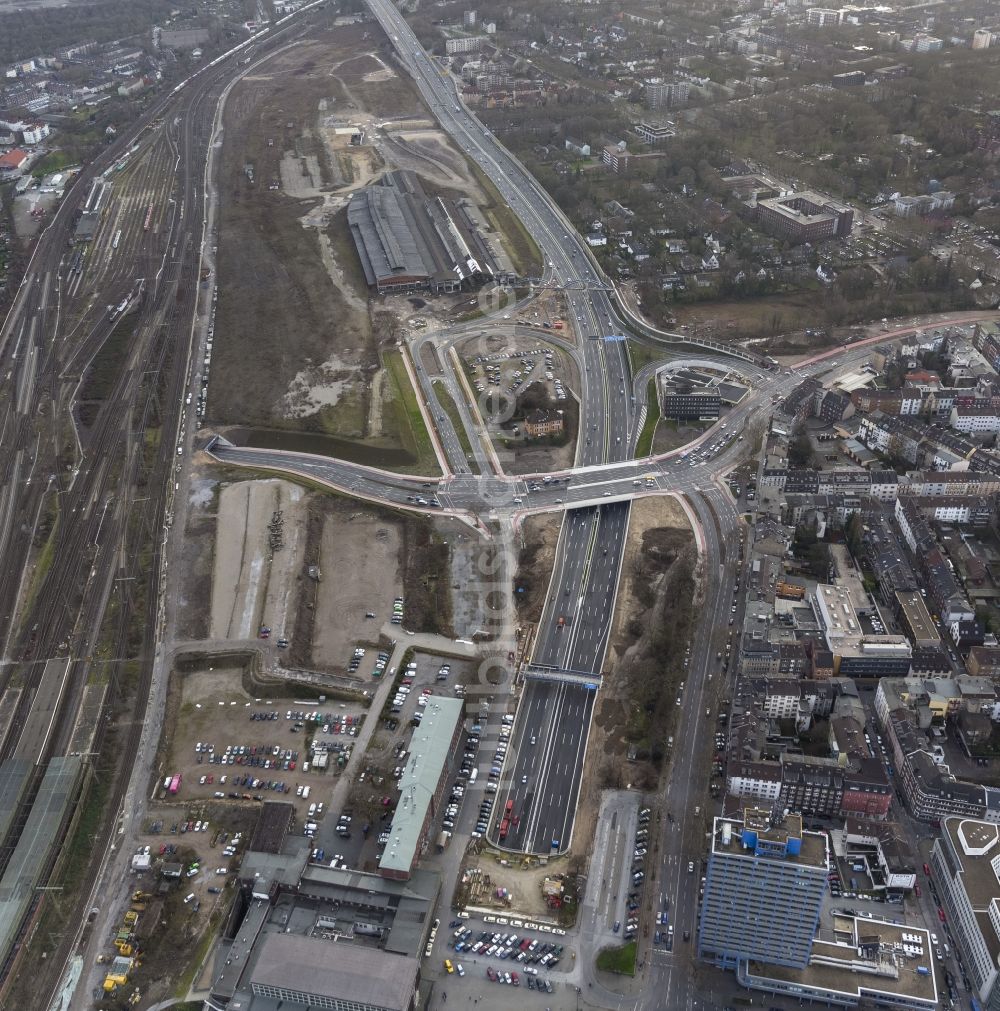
<point>84,502</point>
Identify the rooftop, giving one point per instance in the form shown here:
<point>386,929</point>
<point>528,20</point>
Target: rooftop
<point>977,844</point>
<point>804,849</point>
<point>351,972</point>
<point>429,749</point>
<point>867,958</point>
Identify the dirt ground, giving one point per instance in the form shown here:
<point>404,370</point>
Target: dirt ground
<point>523,882</point>
<point>361,572</point>
<point>539,536</point>
<point>296,337</point>
<point>253,584</point>
<point>760,317</point>
<point>606,748</point>
<point>668,437</point>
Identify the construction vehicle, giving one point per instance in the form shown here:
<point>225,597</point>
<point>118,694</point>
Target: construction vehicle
<point>131,918</point>
<point>141,896</point>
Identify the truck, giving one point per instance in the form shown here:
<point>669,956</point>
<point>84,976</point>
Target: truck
<point>175,783</point>
<point>473,775</point>
<point>443,840</point>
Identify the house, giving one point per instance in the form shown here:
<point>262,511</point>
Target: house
<point>541,423</point>
<point>596,239</point>
<point>579,148</point>
<point>13,163</point>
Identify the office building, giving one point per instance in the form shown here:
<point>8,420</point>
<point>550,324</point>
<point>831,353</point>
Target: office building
<point>965,862</point>
<point>695,405</point>
<point>764,887</point>
<point>804,217</point>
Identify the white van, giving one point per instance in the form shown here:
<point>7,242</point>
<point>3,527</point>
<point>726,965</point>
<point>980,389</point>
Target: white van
<point>312,810</point>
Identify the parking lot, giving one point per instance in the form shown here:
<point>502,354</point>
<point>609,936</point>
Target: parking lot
<point>373,795</point>
<point>231,748</point>
<point>509,371</point>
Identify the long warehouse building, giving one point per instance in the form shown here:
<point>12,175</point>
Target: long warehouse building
<point>409,241</point>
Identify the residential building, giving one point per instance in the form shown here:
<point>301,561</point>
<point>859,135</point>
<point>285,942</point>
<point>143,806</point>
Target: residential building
<point>541,423</point>
<point>908,207</point>
<point>666,94</point>
<point>466,44</point>
<point>764,886</point>
<point>615,156</point>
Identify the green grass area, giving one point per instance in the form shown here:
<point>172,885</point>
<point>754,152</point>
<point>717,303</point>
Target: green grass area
<point>524,252</point>
<point>641,355</point>
<point>644,446</point>
<point>451,409</point>
<point>618,960</point>
<point>412,430</point>
<point>54,161</point>
<point>346,418</point>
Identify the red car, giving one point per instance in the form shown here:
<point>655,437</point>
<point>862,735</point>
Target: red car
<point>941,916</point>
<point>927,870</point>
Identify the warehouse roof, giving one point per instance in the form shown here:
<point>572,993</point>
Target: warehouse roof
<point>352,973</point>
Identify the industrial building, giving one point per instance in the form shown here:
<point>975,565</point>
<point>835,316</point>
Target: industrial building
<point>305,935</point>
<point>409,241</point>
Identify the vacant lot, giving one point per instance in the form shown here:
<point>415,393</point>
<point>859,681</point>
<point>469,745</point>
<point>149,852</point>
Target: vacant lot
<point>359,559</point>
<point>752,317</point>
<point>279,312</point>
<point>258,558</point>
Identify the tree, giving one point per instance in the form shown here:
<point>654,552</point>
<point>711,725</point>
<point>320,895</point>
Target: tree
<point>800,451</point>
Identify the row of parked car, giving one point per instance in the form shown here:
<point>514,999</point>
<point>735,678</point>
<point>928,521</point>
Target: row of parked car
<point>512,979</point>
<point>641,845</point>
<point>526,950</point>
<point>260,756</point>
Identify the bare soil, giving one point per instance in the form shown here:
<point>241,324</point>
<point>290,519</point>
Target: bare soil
<point>361,572</point>
<point>253,584</point>
<point>279,312</point>
<point>539,536</point>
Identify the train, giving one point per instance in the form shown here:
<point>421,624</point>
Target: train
<point>149,219</point>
